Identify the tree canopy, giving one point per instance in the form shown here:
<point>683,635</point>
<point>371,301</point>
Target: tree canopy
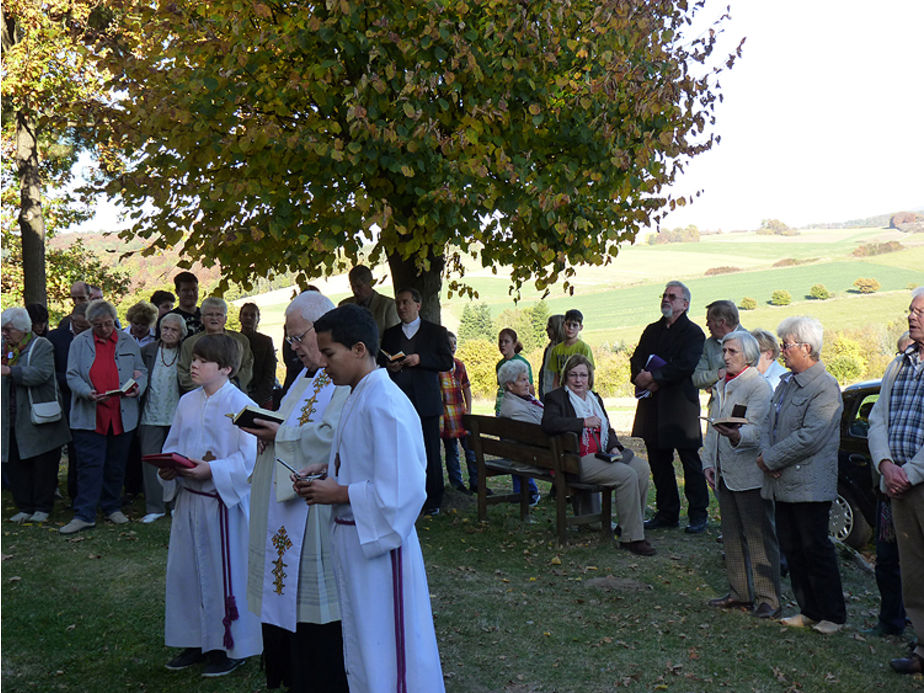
<point>274,136</point>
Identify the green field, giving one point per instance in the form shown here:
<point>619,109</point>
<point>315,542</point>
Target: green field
<point>618,300</point>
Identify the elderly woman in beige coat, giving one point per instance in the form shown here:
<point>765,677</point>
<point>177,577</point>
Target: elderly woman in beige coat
<point>752,555</point>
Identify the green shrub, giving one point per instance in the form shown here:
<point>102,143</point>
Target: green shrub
<point>820,292</point>
<point>480,358</point>
<point>844,358</point>
<point>476,323</point>
<point>780,297</point>
<point>748,303</point>
<point>611,373</point>
<point>866,285</point>
<point>845,368</point>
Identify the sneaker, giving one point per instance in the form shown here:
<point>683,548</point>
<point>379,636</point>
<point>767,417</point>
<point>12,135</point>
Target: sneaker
<point>186,658</point>
<point>658,522</point>
<point>75,526</point>
<point>38,516</point>
<point>827,627</point>
<point>19,518</point>
<point>221,665</point>
<point>117,517</point>
<point>534,500</point>
<point>151,517</point>
<point>798,621</point>
<point>696,527</point>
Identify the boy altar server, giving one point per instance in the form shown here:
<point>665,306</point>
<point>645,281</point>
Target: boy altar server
<point>376,485</point>
<point>207,557</point>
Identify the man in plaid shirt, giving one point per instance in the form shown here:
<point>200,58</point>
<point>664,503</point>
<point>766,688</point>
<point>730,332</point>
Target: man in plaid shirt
<point>457,400</point>
<point>896,445</point>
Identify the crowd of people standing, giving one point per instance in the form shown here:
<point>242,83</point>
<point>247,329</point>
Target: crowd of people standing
<point>332,505</point>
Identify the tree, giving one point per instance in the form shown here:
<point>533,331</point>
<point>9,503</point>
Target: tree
<point>866,285</point>
<point>476,323</point>
<point>780,297</point>
<point>50,84</point>
<point>276,135</point>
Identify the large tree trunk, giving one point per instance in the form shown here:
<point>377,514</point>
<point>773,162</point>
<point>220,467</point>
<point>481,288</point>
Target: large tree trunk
<point>405,275</point>
<point>31,222</point>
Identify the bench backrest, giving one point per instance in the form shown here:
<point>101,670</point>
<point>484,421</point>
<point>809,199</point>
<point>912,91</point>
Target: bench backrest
<point>523,442</point>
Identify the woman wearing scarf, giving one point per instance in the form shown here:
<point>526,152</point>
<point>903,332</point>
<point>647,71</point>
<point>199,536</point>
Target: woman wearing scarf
<point>576,408</point>
<point>752,555</point>
<point>32,450</point>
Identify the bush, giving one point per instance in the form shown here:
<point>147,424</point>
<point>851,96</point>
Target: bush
<point>787,262</point>
<point>780,297</point>
<point>721,270</point>
<point>866,285</point>
<point>612,373</point>
<point>868,249</point>
<point>748,303</point>
<point>480,357</point>
<point>820,292</point>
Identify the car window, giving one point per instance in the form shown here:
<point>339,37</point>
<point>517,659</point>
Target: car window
<point>859,426</point>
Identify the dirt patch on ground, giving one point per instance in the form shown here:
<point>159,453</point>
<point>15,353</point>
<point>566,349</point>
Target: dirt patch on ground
<point>611,583</point>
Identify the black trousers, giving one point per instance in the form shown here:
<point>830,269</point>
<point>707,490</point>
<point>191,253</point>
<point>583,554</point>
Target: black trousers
<point>802,529</point>
<point>33,481</point>
<point>431,436</point>
<point>888,572</point>
<point>667,496</point>
<point>310,659</point>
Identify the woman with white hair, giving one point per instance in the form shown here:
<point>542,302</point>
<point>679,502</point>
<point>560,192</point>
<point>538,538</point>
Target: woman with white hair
<point>752,555</point>
<point>517,403</point>
<point>31,450</point>
<point>102,360</point>
<point>798,455</point>
<point>158,407</point>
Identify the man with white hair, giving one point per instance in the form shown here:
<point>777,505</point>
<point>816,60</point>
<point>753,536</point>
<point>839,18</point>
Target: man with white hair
<point>896,445</point>
<point>667,417</point>
<point>298,607</point>
<point>721,319</point>
<point>214,313</point>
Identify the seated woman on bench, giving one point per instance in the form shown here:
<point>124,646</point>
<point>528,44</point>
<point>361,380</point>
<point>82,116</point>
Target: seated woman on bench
<point>576,408</point>
<point>519,404</point>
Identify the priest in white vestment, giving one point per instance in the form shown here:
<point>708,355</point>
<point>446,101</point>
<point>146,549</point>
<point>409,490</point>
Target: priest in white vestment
<point>376,486</point>
<point>291,585</point>
<point>207,558</point>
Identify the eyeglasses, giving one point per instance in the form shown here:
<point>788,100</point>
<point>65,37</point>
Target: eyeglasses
<point>784,346</point>
<point>916,312</point>
<point>103,323</point>
<point>297,339</point>
<point>672,297</point>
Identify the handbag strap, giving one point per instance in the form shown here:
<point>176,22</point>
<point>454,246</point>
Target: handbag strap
<point>54,379</point>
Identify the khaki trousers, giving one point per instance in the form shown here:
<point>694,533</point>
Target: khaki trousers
<point>908,516</point>
<point>630,479</point>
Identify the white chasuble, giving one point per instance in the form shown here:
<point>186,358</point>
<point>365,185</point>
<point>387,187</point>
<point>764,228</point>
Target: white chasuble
<point>389,643</point>
<point>291,576</point>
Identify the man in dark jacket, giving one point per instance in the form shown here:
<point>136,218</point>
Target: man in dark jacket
<point>426,352</point>
<point>667,416</point>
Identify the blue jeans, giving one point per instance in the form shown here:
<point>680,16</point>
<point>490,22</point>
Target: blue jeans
<point>533,489</point>
<point>100,472</point>
<point>452,462</point>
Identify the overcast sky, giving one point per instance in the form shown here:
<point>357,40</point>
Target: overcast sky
<point>822,117</point>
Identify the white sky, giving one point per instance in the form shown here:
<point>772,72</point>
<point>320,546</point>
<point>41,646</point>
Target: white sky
<point>821,120</point>
<point>822,116</point>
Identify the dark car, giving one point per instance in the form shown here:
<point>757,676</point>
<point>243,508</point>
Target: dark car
<point>853,513</point>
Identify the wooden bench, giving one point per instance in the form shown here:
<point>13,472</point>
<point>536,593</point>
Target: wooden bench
<point>526,450</point>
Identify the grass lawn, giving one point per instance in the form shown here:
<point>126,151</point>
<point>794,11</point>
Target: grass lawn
<point>513,612</point>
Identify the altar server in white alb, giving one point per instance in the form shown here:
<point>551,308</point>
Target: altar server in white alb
<point>376,487</point>
<point>206,612</point>
<point>291,584</point>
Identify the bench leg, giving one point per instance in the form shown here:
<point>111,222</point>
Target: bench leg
<point>606,516</point>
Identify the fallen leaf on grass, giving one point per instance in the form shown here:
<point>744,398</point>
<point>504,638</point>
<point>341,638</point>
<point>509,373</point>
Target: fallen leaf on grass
<point>94,555</point>
<point>15,578</point>
<point>73,626</point>
<point>555,561</point>
<point>4,556</point>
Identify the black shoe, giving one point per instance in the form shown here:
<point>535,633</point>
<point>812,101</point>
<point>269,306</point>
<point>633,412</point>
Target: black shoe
<point>460,487</point>
<point>186,658</point>
<point>880,631</point>
<point>431,511</point>
<point>220,665</point>
<point>696,527</point>
<point>657,522</point>
<point>764,610</point>
<point>912,664</point>
<point>728,602</point>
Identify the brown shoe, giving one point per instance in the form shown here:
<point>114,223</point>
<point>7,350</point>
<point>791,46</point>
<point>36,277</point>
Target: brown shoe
<point>728,602</point>
<point>912,664</point>
<point>639,548</point>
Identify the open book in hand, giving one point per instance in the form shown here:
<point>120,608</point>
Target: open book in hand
<point>245,417</point>
<point>393,357</point>
<point>737,417</point>
<point>128,385</point>
<point>169,460</point>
